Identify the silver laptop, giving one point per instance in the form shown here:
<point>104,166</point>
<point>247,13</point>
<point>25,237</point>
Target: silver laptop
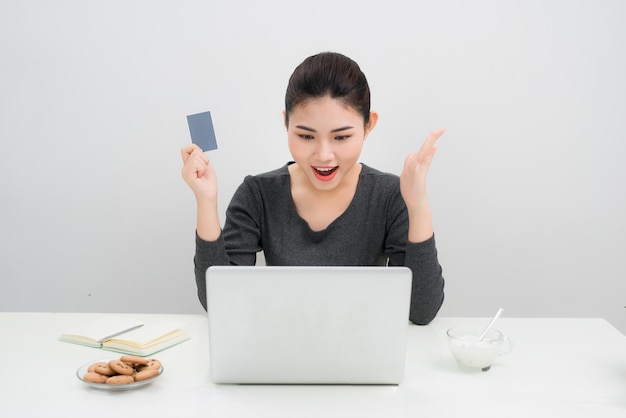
<point>308,325</point>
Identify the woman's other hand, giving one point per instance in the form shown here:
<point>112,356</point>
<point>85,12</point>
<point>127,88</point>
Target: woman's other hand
<point>413,188</point>
<point>198,173</point>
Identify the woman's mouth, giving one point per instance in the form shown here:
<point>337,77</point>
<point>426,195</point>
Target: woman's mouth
<point>325,173</point>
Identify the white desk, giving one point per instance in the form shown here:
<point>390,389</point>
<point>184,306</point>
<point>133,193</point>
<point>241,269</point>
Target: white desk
<point>550,373</point>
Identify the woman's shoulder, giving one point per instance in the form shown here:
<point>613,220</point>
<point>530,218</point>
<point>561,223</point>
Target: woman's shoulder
<point>267,186</point>
<point>276,174</point>
<point>272,181</point>
<point>379,186</point>
<point>371,173</point>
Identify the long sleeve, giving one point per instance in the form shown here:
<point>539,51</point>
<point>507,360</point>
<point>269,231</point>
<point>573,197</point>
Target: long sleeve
<point>427,292</point>
<point>373,231</point>
<point>208,253</point>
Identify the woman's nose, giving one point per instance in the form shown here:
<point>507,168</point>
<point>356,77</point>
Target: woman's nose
<point>325,151</point>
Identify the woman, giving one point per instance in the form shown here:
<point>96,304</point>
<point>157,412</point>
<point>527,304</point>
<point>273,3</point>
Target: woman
<point>324,207</point>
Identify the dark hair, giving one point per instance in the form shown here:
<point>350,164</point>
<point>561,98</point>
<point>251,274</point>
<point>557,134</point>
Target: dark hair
<point>328,74</point>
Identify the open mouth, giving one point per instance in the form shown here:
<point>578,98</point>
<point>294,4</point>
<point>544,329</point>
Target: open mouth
<point>325,173</point>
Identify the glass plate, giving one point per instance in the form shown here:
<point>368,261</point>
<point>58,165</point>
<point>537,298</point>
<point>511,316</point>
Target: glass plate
<point>128,386</point>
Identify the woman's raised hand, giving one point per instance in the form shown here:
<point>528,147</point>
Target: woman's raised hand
<point>416,165</point>
<point>198,174</point>
<point>413,188</point>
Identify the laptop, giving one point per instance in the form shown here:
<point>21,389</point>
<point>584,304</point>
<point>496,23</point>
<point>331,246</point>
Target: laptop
<point>308,325</point>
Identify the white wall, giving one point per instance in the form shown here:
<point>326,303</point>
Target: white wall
<point>527,187</point>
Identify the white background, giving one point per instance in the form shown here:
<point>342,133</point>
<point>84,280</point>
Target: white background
<point>527,187</point>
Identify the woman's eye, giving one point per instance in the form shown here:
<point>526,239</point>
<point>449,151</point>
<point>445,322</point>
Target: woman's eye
<point>305,136</point>
<point>342,137</point>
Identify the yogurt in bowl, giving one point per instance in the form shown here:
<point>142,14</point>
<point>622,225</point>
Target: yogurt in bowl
<point>474,354</point>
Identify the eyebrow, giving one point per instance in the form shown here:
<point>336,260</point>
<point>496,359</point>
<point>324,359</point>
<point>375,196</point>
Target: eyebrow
<point>306,128</point>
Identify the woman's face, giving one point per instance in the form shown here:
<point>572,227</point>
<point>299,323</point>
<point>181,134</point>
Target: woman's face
<point>325,140</point>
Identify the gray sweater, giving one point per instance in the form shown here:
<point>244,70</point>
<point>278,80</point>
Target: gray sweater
<point>372,231</point>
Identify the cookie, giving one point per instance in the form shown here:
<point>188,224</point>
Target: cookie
<point>152,364</point>
<point>126,369</point>
<point>120,379</point>
<point>119,367</point>
<point>146,374</point>
<point>95,377</point>
<point>134,360</point>
<point>103,368</point>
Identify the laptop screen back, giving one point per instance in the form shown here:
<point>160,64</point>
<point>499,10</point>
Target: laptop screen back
<point>308,325</point>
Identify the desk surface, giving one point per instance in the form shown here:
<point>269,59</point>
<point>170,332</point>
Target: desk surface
<point>559,367</point>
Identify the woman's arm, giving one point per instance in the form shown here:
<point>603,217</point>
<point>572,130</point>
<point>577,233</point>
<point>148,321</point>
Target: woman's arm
<point>200,177</point>
<point>413,188</point>
<point>427,292</point>
<point>427,288</point>
<point>237,244</point>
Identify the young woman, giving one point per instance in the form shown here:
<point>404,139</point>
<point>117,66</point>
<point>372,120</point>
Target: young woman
<point>324,207</point>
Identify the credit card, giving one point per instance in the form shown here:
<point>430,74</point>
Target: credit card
<point>201,130</point>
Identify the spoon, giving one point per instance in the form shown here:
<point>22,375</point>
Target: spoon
<point>496,316</point>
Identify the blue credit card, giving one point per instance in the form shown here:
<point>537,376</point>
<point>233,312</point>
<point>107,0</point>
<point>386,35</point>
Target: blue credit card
<point>201,130</point>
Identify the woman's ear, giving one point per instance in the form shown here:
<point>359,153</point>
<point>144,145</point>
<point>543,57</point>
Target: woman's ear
<point>371,124</point>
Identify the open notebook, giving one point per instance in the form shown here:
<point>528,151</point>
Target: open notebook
<point>127,335</point>
<point>308,325</point>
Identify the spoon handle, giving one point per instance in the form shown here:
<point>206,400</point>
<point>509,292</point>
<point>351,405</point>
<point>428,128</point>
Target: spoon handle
<point>496,316</point>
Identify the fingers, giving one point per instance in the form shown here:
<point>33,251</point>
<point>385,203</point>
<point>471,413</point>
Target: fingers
<point>434,135</point>
<point>430,141</point>
<point>410,162</point>
<point>189,150</point>
<point>418,163</point>
<point>426,152</point>
<point>195,162</point>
